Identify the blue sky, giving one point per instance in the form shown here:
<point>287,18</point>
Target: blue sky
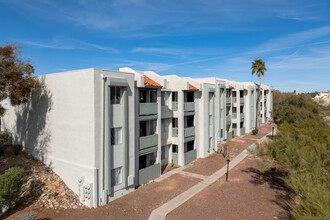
<point>196,38</point>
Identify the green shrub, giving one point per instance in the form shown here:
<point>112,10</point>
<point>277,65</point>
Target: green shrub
<point>303,147</point>
<point>10,186</point>
<point>255,131</point>
<point>3,137</point>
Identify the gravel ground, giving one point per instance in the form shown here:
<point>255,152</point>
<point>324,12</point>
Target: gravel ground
<point>209,165</point>
<point>136,205</point>
<point>249,194</point>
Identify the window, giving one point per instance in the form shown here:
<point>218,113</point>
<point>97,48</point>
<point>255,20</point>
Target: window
<point>116,176</point>
<point>174,96</point>
<point>175,148</point>
<point>153,96</point>
<point>152,127</point>
<point>234,94</point>
<point>174,122</point>
<point>115,93</point>
<point>116,136</point>
<point>147,160</point>
<point>234,125</point>
<point>190,96</point>
<point>210,120</point>
<point>143,128</point>
<point>228,92</point>
<point>190,146</point>
<point>143,96</point>
<point>189,121</point>
<point>234,110</point>
<point>221,133</point>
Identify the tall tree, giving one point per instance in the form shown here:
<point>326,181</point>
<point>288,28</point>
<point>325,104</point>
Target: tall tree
<point>258,68</point>
<point>16,80</point>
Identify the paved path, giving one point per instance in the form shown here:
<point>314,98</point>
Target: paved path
<point>161,212</point>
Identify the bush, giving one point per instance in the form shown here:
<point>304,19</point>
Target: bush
<point>10,186</point>
<point>3,137</point>
<point>255,131</point>
<point>302,147</point>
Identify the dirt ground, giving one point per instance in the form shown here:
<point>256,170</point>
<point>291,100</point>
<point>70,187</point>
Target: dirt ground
<point>249,194</point>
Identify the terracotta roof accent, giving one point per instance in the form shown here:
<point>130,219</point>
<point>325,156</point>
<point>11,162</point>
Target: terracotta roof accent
<point>231,87</point>
<point>150,82</point>
<point>245,89</point>
<point>191,87</point>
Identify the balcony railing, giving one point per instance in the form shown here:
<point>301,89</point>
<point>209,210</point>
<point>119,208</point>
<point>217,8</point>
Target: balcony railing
<point>174,106</point>
<point>189,131</point>
<point>175,132</point>
<point>241,116</point>
<point>241,100</point>
<point>234,99</point>
<point>234,131</point>
<point>190,156</point>
<point>149,173</point>
<point>228,119</point>
<point>228,100</point>
<point>229,135</point>
<point>242,131</point>
<point>189,106</point>
<point>148,141</point>
<point>148,108</point>
<point>234,115</point>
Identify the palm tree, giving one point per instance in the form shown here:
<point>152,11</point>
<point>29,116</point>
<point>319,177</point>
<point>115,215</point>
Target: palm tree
<point>258,68</point>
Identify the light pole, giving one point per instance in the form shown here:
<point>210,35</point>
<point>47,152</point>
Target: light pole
<point>227,170</point>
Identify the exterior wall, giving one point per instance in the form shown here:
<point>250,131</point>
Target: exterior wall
<point>124,154</point>
<point>59,129</point>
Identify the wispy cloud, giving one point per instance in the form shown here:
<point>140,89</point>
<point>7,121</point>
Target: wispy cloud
<point>153,18</point>
<point>63,43</point>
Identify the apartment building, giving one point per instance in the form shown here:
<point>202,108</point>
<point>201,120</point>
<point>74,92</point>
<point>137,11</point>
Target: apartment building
<point>107,132</point>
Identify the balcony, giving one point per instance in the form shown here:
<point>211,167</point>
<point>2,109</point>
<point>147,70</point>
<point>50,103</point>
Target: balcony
<point>175,132</point>
<point>234,131</point>
<point>228,100</point>
<point>190,156</point>
<point>241,100</point>
<point>234,99</point>
<point>189,106</point>
<point>242,131</point>
<point>229,136</point>
<point>174,106</point>
<point>234,115</point>
<point>148,141</point>
<point>189,132</point>
<point>175,159</point>
<point>241,116</point>
<point>228,119</point>
<point>149,173</point>
<point>148,108</point>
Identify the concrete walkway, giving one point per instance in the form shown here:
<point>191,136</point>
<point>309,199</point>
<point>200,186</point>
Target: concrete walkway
<point>161,212</point>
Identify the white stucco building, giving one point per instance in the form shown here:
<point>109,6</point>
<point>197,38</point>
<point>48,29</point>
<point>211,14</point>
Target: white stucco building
<point>106,132</point>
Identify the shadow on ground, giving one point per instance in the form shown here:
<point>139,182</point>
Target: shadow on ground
<point>274,178</point>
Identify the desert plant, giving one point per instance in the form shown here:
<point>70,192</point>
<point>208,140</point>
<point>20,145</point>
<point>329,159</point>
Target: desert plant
<point>302,147</point>
<point>10,186</point>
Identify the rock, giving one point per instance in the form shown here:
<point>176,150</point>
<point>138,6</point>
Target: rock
<point>27,194</point>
